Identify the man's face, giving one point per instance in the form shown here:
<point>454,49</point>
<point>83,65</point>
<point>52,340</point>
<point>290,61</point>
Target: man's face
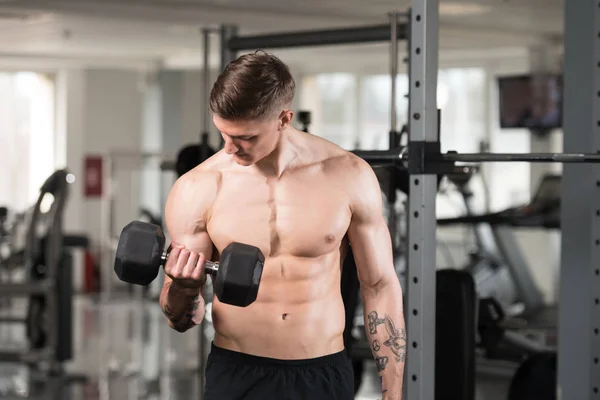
<point>249,141</point>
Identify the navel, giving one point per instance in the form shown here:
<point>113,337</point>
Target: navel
<point>284,316</point>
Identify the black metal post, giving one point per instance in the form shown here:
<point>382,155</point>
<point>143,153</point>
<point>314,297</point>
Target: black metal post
<point>204,135</point>
<point>228,54</point>
<point>524,157</point>
<point>393,134</point>
<point>365,34</point>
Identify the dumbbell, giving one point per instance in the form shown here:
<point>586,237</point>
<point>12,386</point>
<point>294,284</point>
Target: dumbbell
<point>140,254</point>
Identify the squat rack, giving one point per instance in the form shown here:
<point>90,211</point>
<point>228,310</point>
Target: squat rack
<point>579,301</point>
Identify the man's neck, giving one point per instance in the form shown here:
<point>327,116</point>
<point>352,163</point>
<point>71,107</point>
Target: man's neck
<point>281,157</point>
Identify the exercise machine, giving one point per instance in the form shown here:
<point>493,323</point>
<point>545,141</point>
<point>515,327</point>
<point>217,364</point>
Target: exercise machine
<point>48,284</point>
<point>505,335</point>
<point>543,211</point>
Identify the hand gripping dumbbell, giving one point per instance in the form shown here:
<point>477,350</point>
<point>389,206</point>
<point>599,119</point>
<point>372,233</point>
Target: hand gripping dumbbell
<point>140,254</point>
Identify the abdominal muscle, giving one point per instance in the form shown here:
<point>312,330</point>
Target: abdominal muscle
<point>298,313</point>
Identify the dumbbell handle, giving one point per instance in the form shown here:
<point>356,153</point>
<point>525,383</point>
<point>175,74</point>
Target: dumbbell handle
<point>210,267</point>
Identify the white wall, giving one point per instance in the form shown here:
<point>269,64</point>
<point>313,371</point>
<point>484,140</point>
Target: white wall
<point>70,117</point>
<point>151,197</point>
<point>70,128</point>
<point>113,123</point>
<point>98,112</point>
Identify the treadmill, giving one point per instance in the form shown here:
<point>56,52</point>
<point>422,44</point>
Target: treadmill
<point>543,212</point>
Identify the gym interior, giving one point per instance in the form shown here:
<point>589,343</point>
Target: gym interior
<point>112,97</point>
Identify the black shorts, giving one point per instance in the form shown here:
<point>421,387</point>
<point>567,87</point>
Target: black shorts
<point>232,375</point>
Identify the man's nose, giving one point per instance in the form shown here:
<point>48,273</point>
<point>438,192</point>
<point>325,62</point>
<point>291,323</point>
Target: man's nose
<point>230,148</point>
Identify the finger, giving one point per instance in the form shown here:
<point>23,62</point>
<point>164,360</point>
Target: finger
<point>172,260</point>
<point>190,265</point>
<point>181,262</point>
<point>198,273</point>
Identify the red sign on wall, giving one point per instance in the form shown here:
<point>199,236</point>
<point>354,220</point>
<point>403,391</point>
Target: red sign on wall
<point>93,176</point>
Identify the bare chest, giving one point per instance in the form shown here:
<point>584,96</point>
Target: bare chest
<point>302,216</point>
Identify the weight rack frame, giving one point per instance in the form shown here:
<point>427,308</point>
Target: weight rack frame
<point>579,299</point>
<point>419,370</point>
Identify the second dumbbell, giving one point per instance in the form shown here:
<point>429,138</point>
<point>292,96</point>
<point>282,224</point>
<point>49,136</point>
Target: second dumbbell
<point>140,254</point>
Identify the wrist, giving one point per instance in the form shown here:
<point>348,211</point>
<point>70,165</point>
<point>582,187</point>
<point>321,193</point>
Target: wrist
<point>185,291</point>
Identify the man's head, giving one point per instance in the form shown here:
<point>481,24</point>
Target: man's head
<point>250,104</point>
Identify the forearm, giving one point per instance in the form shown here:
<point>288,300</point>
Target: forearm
<point>385,328</point>
<point>183,307</point>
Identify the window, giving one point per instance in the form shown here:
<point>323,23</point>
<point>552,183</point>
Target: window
<point>27,134</point>
<point>331,99</point>
<point>461,98</point>
<point>375,110</point>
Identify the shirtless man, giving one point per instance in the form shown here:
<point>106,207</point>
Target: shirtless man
<point>301,200</point>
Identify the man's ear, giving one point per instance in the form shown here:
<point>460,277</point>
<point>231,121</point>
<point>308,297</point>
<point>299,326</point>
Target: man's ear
<point>285,119</point>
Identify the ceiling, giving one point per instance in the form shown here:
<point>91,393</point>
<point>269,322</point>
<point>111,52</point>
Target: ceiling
<point>149,33</point>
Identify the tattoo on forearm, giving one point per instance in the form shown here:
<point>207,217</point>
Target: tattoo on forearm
<point>376,345</point>
<point>189,311</point>
<point>374,321</point>
<point>169,313</point>
<point>381,363</point>
<point>397,340</point>
<point>183,320</point>
<point>382,389</point>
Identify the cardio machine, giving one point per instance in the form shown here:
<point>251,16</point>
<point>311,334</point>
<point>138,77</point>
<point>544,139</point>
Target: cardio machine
<point>525,336</point>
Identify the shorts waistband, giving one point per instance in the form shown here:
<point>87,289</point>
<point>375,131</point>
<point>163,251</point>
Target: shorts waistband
<point>236,357</point>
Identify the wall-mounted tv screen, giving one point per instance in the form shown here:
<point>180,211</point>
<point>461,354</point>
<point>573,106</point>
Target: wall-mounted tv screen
<point>530,101</point>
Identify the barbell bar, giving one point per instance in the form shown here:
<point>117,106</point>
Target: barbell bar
<point>397,156</point>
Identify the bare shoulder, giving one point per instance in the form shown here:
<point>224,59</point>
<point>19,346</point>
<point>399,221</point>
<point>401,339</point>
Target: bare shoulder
<point>201,180</point>
<point>192,196</point>
<point>341,164</point>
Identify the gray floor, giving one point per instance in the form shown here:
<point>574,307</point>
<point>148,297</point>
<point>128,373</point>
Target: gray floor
<point>126,350</point>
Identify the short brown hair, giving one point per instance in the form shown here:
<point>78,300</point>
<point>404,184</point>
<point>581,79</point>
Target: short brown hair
<point>252,87</point>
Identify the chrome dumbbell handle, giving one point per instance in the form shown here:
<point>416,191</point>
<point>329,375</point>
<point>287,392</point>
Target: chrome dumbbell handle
<point>211,267</point>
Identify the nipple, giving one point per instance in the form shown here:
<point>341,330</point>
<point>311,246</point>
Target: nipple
<point>283,316</point>
<point>330,238</point>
